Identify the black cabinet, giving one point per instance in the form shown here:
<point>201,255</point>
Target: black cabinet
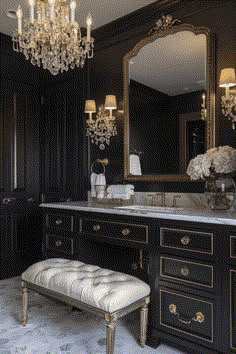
<point>121,245</point>
<point>190,266</point>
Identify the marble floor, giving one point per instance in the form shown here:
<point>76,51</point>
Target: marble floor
<point>52,330</point>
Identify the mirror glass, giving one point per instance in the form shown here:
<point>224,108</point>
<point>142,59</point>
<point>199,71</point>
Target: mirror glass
<point>169,113</point>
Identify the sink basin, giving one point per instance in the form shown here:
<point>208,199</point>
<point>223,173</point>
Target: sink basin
<point>149,208</point>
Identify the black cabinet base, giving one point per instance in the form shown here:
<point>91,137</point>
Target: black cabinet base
<point>157,337</point>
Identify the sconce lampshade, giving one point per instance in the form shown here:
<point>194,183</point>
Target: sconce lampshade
<point>227,77</point>
<point>110,102</point>
<point>90,106</point>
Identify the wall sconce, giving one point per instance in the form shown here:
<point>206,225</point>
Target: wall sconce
<point>228,102</point>
<point>103,127</point>
<point>203,107</point>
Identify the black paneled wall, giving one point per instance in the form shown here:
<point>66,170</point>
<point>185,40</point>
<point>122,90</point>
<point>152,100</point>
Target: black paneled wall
<point>116,39</point>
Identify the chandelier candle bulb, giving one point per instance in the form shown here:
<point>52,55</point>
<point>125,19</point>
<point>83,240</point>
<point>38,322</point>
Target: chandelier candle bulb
<point>51,2</point>
<point>203,99</point>
<point>73,7</point>
<point>31,4</point>
<point>89,23</point>
<point>19,14</point>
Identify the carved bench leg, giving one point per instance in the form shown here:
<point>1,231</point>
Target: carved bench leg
<point>25,298</point>
<point>143,324</point>
<point>111,326</point>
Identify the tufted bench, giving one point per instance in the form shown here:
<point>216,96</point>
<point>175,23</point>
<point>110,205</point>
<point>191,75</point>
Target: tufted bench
<point>87,287</point>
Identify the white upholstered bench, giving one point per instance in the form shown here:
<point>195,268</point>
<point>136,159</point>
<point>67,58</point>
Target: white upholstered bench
<point>87,287</point>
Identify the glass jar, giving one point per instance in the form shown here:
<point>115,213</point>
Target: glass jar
<point>219,192</point>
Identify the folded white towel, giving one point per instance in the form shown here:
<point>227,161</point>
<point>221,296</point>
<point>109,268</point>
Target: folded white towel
<point>120,188</point>
<point>118,196</point>
<point>92,181</point>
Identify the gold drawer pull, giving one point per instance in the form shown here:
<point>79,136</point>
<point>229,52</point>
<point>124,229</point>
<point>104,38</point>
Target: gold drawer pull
<point>185,240</point>
<point>184,271</point>
<point>96,227</point>
<point>125,232</point>
<point>198,317</point>
<point>58,243</point>
<point>58,221</point>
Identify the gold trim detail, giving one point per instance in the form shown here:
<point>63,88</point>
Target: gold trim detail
<point>231,255</point>
<point>180,330</point>
<point>185,280</point>
<point>210,74</point>
<point>58,243</point>
<point>60,223</point>
<point>164,23</point>
<point>126,225</point>
<point>208,234</point>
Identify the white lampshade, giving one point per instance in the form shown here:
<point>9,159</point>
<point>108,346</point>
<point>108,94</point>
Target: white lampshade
<point>110,102</point>
<point>90,106</point>
<point>227,77</point>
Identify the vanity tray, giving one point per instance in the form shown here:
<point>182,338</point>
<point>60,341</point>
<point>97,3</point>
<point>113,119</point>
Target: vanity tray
<point>113,201</point>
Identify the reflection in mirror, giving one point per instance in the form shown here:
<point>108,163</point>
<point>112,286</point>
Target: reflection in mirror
<point>168,88</point>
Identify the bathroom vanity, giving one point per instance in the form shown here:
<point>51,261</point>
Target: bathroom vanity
<point>187,256</point>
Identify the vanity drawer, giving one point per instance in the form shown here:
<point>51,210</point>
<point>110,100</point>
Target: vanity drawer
<point>233,247</point>
<point>187,240</point>
<point>60,222</point>
<point>114,230</point>
<point>186,314</point>
<point>188,272</point>
<point>59,244</point>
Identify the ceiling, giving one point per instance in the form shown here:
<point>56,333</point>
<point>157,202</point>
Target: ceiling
<point>102,11</point>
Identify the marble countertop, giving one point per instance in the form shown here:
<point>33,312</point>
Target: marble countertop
<point>185,214</point>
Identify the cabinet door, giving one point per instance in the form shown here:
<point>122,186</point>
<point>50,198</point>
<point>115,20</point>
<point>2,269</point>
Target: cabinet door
<point>63,142</point>
<point>3,235</point>
<point>19,141</point>
<point>233,309</point>
<point>19,175</point>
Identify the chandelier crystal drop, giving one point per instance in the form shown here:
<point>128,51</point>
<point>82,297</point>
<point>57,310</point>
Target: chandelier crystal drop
<point>52,39</point>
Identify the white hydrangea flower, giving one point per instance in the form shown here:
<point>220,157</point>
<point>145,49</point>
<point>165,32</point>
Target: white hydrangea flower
<point>219,160</point>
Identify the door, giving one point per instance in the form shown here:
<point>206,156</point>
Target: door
<point>63,141</point>
<point>19,174</point>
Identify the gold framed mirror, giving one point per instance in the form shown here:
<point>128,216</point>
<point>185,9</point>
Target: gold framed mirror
<point>169,101</point>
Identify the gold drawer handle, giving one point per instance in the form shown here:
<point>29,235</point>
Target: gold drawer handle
<point>125,232</point>
<point>58,221</point>
<point>58,243</point>
<point>198,317</point>
<point>185,240</point>
<point>184,271</point>
<point>96,227</point>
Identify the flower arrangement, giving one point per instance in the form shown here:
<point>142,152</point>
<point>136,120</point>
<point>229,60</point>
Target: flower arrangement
<point>215,162</point>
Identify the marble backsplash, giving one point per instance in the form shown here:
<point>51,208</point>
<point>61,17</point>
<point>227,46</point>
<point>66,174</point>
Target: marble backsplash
<point>184,200</point>
<point>190,200</point>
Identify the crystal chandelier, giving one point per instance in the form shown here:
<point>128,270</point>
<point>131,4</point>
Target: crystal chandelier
<point>53,39</point>
<point>103,127</point>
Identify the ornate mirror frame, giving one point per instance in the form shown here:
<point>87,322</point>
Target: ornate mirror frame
<point>160,32</point>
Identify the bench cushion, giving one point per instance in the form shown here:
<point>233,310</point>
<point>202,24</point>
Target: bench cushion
<point>101,288</point>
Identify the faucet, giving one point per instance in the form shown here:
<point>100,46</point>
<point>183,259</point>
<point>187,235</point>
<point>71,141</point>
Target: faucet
<point>163,198</point>
<point>174,205</point>
<point>155,198</point>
